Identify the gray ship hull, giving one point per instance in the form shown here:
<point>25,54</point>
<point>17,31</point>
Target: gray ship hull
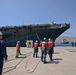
<point>12,34</point>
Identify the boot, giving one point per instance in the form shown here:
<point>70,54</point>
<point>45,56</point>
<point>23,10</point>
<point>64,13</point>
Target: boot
<point>41,60</point>
<point>16,57</point>
<point>33,55</point>
<point>44,62</point>
<point>36,56</point>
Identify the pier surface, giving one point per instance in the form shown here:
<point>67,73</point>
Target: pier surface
<point>64,62</point>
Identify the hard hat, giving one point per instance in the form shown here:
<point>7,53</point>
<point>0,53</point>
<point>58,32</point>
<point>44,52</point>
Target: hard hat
<point>49,39</point>
<point>18,41</point>
<point>44,39</point>
<point>1,33</point>
<point>36,41</point>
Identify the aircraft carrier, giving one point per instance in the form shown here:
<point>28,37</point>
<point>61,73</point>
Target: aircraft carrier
<point>12,34</point>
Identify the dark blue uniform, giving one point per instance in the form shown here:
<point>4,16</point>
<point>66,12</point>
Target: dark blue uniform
<point>3,54</point>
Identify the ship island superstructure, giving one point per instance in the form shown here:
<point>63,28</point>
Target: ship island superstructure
<point>12,34</point>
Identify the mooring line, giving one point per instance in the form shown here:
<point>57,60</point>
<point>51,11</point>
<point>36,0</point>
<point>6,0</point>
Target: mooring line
<point>33,69</point>
<point>28,54</point>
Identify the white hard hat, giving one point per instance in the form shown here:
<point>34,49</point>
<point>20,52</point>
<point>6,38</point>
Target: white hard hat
<point>36,41</point>
<point>18,41</point>
<point>1,33</point>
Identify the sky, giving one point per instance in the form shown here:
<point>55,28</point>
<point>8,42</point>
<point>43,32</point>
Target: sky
<point>19,12</point>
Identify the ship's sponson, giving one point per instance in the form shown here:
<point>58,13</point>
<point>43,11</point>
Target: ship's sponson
<point>36,26</point>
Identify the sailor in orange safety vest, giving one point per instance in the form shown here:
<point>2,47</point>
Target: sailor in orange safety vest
<point>18,49</point>
<point>50,48</point>
<point>35,54</point>
<point>43,50</point>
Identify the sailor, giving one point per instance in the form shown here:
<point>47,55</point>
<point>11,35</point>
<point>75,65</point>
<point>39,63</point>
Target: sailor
<point>18,52</point>
<point>3,52</point>
<point>50,48</point>
<point>43,50</point>
<point>35,49</point>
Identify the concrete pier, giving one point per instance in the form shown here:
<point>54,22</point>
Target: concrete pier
<point>64,62</point>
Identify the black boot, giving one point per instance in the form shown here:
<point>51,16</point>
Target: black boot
<point>41,60</point>
<point>36,56</point>
<point>33,55</point>
<point>51,59</point>
<point>44,62</point>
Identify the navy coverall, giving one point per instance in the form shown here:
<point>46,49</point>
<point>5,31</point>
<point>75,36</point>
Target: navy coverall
<point>3,54</point>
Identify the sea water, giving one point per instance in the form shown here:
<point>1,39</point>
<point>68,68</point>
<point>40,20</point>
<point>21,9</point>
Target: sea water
<point>63,44</point>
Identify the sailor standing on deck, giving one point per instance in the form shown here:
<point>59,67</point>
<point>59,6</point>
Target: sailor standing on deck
<point>18,49</point>
<point>3,53</point>
<point>50,48</point>
<point>43,50</point>
<point>35,49</point>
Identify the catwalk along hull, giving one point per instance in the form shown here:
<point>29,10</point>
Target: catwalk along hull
<point>12,34</point>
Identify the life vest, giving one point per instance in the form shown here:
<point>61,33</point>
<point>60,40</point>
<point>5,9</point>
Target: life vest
<point>17,46</point>
<point>43,44</point>
<point>35,45</point>
<point>50,44</point>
